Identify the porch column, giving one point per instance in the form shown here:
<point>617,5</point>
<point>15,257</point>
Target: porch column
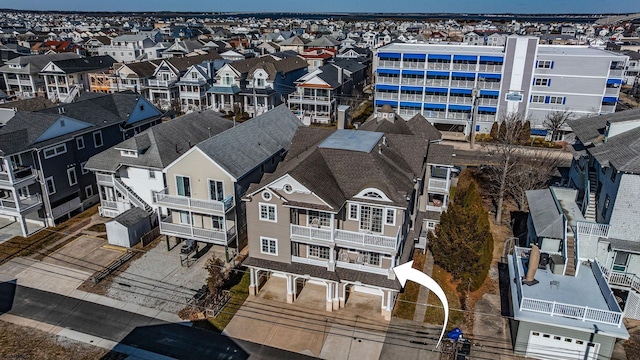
<point>342,294</point>
<point>335,301</point>
<point>386,304</point>
<point>252,285</point>
<point>246,105</point>
<point>23,225</point>
<point>329,295</point>
<point>291,294</point>
<point>331,265</point>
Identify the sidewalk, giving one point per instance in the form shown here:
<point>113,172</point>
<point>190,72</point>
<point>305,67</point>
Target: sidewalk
<point>423,294</point>
<point>488,147</point>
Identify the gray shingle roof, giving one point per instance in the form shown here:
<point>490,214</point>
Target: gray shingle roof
<point>336,175</point>
<point>440,154</point>
<point>242,148</point>
<point>590,130</point>
<point>131,217</point>
<point>33,64</point>
<point>69,66</point>
<point>417,125</point>
<point>547,218</point>
<point>621,151</point>
<point>164,142</point>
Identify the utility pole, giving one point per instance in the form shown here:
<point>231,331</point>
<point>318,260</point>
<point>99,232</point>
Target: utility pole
<point>474,117</point>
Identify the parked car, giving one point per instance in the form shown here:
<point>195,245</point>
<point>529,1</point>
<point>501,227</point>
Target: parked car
<point>189,246</point>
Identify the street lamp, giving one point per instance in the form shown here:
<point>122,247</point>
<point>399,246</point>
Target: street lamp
<point>474,116</point>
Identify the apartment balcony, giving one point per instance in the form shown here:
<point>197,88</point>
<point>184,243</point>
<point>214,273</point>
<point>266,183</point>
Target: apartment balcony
<point>66,207</point>
<point>435,114</point>
<point>442,99</point>
<point>438,66</point>
<point>112,209</point>
<point>18,177</point>
<point>163,198</point>
<point>464,67</point>
<point>389,64</point>
<point>309,99</point>
<point>362,267</point>
<point>309,261</point>
<point>411,97</point>
<point>612,91</point>
<point>9,207</point>
<point>412,81</point>
<point>616,73</point>
<point>438,82</point>
<point>193,95</point>
<point>490,68</point>
<point>607,109</point>
<point>309,234</point>
<point>460,100</point>
<point>387,96</point>
<point>407,114</point>
<point>347,238</point>
<point>486,118</point>
<point>459,116</point>
<point>387,80</point>
<point>436,184</point>
<point>413,64</point>
<point>214,236</point>
<point>487,101</point>
<point>463,83</point>
<point>160,83</point>
<point>493,85</point>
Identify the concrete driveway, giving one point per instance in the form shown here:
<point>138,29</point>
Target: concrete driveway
<point>86,253</point>
<point>355,332</point>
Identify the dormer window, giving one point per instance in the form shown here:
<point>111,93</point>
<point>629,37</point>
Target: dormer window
<point>373,195</point>
<point>260,82</point>
<point>129,153</point>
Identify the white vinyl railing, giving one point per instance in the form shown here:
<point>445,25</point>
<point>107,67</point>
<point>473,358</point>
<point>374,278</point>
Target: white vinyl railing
<point>623,279</point>
<point>388,80</point>
<point>585,228</point>
<point>489,85</point>
<point>363,239</point>
<point>163,198</point>
<point>438,82</point>
<point>438,184</point>
<point>104,178</point>
<point>309,261</point>
<point>389,64</point>
<point>310,233</point>
<point>412,81</point>
<point>186,231</point>
<point>438,65</point>
<point>362,267</point>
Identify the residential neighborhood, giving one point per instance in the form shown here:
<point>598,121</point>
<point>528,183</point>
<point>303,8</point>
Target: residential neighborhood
<point>252,185</point>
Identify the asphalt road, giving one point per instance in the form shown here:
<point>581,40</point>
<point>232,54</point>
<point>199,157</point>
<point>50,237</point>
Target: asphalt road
<point>157,336</point>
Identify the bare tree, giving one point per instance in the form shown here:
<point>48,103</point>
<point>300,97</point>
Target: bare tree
<point>530,173</point>
<point>508,152</point>
<point>556,120</point>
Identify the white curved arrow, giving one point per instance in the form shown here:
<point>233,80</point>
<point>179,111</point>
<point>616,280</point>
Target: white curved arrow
<point>406,272</point>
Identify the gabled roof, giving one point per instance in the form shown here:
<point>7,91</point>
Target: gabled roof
<point>242,148</point>
<point>166,142</point>
<point>323,41</point>
<point>143,69</point>
<point>621,151</point>
<point>131,217</point>
<point>337,174</point>
<point>590,130</point>
<point>417,125</point>
<point>70,66</point>
<point>35,63</point>
<point>295,40</point>
<point>547,218</point>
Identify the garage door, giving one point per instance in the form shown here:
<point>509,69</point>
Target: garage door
<point>555,347</point>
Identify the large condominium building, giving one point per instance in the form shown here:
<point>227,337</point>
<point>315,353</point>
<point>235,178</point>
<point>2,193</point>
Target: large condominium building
<point>447,82</point>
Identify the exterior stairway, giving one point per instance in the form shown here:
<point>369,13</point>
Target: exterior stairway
<point>133,197</point>
<point>571,256</point>
<point>590,213</point>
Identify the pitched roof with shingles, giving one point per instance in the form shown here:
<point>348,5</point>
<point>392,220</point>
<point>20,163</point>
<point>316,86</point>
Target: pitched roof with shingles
<point>163,143</point>
<point>544,212</point>
<point>336,175</point>
<point>33,64</point>
<point>143,69</point>
<point>440,154</point>
<point>69,66</point>
<point>131,217</point>
<point>246,146</point>
<point>183,63</point>
<point>590,130</point>
<point>621,151</point>
<point>417,125</point>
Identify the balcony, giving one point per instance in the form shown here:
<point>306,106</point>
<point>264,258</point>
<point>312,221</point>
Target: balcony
<point>616,73</point>
<point>160,83</point>
<point>460,100</point>
<point>352,238</point>
<point>436,208</point>
<point>488,101</point>
<point>104,179</point>
<point>309,261</point>
<point>462,83</point>
<point>438,66</point>
<point>612,91</point>
<point>490,68</point>
<point>412,81</point>
<point>607,109</point>
<point>163,198</point>
<point>362,267</point>
<point>219,237</point>
<point>411,97</point>
<point>386,80</point>
<point>436,184</point>
<point>407,114</point>
<point>413,64</point>
<point>386,95</point>
<point>310,99</point>
<point>310,234</point>
<point>9,206</point>
<point>442,99</point>
<point>486,117</point>
<point>438,82</point>
<point>17,176</point>
<point>465,67</point>
<point>459,115</point>
<point>494,85</point>
<point>389,64</point>
<point>66,207</point>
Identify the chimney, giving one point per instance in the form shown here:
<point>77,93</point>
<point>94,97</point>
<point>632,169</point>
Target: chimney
<point>340,75</point>
<point>380,149</point>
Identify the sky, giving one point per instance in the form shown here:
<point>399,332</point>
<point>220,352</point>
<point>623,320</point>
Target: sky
<point>394,6</point>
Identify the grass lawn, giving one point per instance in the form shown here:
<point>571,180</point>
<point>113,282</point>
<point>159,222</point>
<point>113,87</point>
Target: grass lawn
<point>435,313</point>
<point>406,303</point>
<point>97,228</point>
<point>240,292</point>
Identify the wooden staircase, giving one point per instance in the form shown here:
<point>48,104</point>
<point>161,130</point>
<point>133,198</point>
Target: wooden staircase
<point>590,213</point>
<point>571,256</point>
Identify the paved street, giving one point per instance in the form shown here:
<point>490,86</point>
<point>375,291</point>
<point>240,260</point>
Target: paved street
<point>127,328</point>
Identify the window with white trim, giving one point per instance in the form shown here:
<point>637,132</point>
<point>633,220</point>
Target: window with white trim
<point>541,82</point>
<point>268,212</point>
<point>391,217</point>
<point>82,169</point>
<point>373,195</point>
<point>371,219</point>
<point>537,99</point>
<point>320,252</point>
<point>88,191</point>
<point>55,151</point>
<point>183,185</point>
<point>556,99</point>
<point>319,218</point>
<point>353,211</point>
<point>268,246</point>
<point>71,175</point>
<point>80,143</point>
<point>184,217</point>
<point>51,185</point>
<point>544,64</point>
<point>97,139</point>
<point>152,174</point>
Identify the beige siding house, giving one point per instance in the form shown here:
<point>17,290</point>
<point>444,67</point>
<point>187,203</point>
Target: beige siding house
<point>342,210</point>
<point>204,185</point>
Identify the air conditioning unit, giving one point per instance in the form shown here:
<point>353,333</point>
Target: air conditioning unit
<point>556,263</point>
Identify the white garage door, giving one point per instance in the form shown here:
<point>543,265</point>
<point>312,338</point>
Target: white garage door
<point>554,347</point>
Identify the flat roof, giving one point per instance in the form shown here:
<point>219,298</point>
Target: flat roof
<point>443,48</point>
<point>575,50</point>
<point>581,291</point>
<point>352,140</point>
